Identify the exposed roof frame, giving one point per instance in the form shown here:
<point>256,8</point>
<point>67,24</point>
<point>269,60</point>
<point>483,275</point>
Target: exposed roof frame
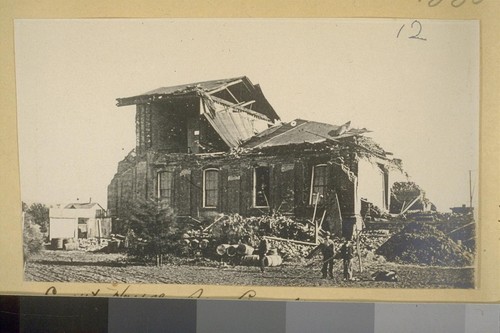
<point>144,99</point>
<point>234,97</point>
<point>213,91</point>
<point>353,144</point>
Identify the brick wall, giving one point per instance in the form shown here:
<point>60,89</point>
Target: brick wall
<point>290,184</point>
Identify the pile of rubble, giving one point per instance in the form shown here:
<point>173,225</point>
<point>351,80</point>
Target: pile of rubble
<point>370,241</point>
<point>420,243</point>
<point>232,237</point>
<point>291,251</point>
<point>92,244</point>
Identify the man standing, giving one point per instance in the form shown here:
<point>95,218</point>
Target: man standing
<point>327,248</point>
<point>347,254</point>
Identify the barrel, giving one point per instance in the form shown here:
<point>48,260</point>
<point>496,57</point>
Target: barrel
<point>232,250</point>
<point>204,243</point>
<point>272,260</point>
<point>221,249</point>
<point>57,243</point>
<point>272,252</point>
<point>250,260</point>
<point>244,249</point>
<point>112,246</point>
<point>195,244</point>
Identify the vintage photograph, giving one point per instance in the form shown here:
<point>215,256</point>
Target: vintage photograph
<point>339,153</point>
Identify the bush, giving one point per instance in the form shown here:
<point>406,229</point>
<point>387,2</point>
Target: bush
<point>153,230</point>
<point>39,214</point>
<point>32,240</point>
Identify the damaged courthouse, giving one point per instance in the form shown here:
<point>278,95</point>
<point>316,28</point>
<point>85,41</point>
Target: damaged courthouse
<point>220,147</point>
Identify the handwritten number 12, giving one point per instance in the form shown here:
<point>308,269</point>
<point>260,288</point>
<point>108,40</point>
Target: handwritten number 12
<point>416,28</point>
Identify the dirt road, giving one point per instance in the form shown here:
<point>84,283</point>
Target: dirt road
<point>76,266</point>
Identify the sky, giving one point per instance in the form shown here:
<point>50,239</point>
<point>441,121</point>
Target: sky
<point>415,85</point>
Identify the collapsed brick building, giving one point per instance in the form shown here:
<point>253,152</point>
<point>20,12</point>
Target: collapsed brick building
<point>220,147</point>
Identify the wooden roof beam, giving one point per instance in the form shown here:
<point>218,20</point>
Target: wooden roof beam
<point>243,104</point>
<point>234,97</point>
<point>211,92</point>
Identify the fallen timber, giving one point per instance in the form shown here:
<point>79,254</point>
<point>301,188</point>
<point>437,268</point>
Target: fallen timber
<point>289,240</point>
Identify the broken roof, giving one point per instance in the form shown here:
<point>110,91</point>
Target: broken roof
<point>301,131</point>
<point>255,97</point>
<point>183,88</point>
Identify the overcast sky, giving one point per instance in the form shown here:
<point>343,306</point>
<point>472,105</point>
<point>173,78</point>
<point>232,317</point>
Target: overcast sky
<point>420,97</point>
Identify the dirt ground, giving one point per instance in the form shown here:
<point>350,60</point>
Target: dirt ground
<point>79,266</point>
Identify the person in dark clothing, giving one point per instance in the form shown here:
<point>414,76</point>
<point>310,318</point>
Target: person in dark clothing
<point>347,254</point>
<point>262,251</point>
<point>327,248</point>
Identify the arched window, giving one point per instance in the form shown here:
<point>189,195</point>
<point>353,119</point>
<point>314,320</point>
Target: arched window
<point>318,183</point>
<point>165,186</point>
<point>210,188</point>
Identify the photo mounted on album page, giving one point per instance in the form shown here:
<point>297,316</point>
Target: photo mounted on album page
<point>302,157</point>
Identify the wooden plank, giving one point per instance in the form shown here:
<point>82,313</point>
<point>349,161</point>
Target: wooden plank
<point>289,240</point>
<point>410,205</point>
<point>462,227</point>
<point>322,219</point>
<point>243,104</point>
<point>234,97</point>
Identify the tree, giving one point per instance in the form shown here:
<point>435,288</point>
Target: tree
<point>154,227</point>
<point>32,240</point>
<point>40,215</point>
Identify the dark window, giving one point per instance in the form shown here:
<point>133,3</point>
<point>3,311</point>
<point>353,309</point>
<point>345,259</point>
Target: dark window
<point>165,186</point>
<point>211,188</point>
<point>261,187</point>
<point>318,184</point>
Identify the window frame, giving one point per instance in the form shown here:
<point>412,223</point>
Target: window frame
<point>159,185</point>
<point>254,186</point>
<point>313,173</point>
<point>204,200</point>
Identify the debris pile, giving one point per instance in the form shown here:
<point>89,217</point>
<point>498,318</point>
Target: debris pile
<point>370,241</point>
<point>291,251</point>
<point>233,229</point>
<point>424,244</point>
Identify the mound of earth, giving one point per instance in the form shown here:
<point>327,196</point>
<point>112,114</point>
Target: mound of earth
<point>419,243</point>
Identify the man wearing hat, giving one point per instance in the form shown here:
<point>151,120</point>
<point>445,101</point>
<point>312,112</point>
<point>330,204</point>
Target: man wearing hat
<point>327,248</point>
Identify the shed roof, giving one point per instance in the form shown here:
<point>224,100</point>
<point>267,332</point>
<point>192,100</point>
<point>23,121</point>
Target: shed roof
<point>301,131</point>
